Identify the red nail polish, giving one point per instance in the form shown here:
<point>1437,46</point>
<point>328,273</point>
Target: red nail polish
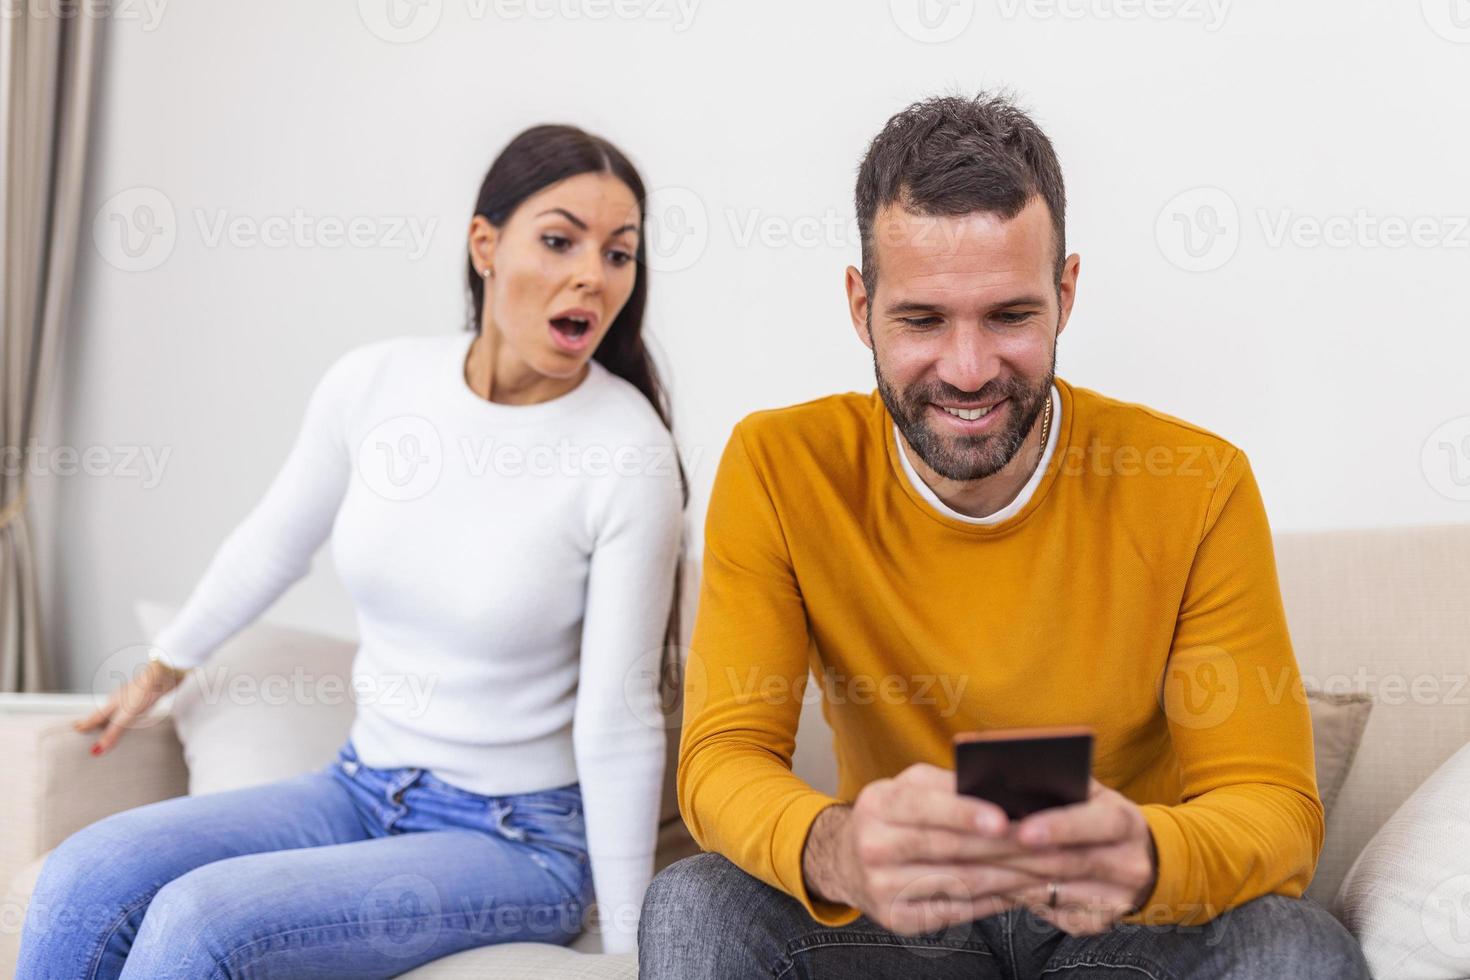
<point>96,750</point>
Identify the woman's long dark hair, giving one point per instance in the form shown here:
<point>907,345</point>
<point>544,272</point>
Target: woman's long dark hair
<point>538,158</point>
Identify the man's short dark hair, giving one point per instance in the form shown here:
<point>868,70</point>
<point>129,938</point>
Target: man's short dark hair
<point>953,156</point>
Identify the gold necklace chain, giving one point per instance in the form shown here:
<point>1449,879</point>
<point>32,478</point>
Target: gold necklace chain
<point>1045,423</point>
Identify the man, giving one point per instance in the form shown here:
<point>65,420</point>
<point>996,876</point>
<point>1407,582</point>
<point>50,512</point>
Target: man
<point>1044,554</point>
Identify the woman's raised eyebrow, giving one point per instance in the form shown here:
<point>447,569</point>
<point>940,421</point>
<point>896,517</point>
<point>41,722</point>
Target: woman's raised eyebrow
<point>568,215</point>
<point>582,224</point>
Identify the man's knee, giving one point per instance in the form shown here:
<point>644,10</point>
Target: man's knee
<point>704,917</point>
<point>1279,936</point>
<point>697,889</point>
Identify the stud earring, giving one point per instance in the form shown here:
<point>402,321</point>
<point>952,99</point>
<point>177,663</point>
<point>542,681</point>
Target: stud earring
<point>487,272</point>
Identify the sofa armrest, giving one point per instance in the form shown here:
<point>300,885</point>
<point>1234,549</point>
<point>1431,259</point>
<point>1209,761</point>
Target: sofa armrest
<point>54,786</point>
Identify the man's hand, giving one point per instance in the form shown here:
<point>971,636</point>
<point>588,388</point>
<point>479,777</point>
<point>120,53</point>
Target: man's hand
<point>1101,855</point>
<point>915,856</point>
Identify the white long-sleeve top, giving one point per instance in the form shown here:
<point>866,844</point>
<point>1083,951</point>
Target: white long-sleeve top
<point>515,562</point>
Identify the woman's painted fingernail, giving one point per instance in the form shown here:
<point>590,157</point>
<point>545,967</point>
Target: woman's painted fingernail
<point>96,750</point>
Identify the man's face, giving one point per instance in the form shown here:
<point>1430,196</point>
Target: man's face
<point>963,326</point>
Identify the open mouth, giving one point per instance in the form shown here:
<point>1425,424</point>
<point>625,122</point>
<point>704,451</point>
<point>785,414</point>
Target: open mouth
<point>572,326</point>
<point>571,331</point>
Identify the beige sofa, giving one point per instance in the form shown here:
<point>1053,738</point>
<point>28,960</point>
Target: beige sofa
<point>1383,611</point>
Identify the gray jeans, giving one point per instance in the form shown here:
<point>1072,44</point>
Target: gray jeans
<point>704,918</point>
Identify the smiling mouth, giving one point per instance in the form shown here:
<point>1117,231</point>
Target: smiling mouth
<point>971,414</point>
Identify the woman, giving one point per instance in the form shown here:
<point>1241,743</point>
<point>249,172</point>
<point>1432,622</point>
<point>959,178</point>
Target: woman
<point>505,509</point>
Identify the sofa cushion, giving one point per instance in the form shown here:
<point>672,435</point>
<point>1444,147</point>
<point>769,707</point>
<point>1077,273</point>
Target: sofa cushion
<point>1407,896</point>
<point>1338,720</point>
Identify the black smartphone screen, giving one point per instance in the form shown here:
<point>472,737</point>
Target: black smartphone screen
<point>1023,770</point>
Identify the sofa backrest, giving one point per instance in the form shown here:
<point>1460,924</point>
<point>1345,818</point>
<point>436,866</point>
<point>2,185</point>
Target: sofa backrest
<point>1385,611</point>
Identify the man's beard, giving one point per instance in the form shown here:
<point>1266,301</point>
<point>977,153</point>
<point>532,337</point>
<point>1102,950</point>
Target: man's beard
<point>965,457</point>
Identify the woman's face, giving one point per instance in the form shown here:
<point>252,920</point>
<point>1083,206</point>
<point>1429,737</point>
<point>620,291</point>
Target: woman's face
<point>563,266</point>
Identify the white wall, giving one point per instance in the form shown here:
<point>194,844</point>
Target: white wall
<point>1332,366</point>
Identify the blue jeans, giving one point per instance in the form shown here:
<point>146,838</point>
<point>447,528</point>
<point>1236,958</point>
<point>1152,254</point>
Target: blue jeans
<point>705,919</point>
<point>348,871</point>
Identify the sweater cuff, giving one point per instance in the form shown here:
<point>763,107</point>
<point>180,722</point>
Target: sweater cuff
<point>620,883</point>
<point>175,648</point>
<point>792,830</point>
<point>1170,903</point>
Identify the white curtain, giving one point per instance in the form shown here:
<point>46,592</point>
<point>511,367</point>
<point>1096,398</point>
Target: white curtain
<point>48,62</point>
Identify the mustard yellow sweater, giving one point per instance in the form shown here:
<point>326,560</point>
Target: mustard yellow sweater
<point>1135,592</point>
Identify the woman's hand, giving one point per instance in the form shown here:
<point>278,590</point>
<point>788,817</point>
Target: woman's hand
<point>129,702</point>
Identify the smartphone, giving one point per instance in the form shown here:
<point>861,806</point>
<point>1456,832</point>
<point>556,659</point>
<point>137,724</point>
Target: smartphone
<point>1023,770</point>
